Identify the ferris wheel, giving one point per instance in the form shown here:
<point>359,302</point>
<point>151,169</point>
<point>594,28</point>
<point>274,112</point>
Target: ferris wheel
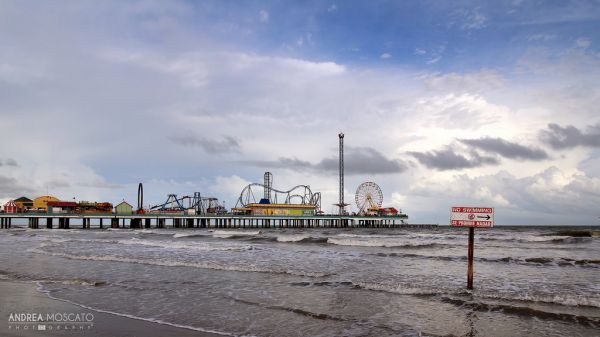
<point>368,196</point>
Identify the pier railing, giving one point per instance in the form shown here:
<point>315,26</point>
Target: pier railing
<point>153,220</point>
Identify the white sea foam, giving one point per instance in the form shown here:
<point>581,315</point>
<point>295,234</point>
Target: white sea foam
<point>524,238</point>
<point>172,263</point>
<point>563,299</point>
<point>404,290</point>
<point>377,242</point>
<point>60,240</point>
<point>227,234</point>
<point>200,246</point>
<point>292,237</point>
<point>197,246</point>
<point>367,236</point>
<point>186,235</point>
<point>533,238</point>
<point>154,231</point>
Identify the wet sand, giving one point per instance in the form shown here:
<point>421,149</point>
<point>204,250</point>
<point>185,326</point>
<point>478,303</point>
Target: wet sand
<point>17,297</point>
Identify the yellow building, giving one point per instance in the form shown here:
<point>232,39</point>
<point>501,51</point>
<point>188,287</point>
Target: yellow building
<point>280,209</point>
<point>41,203</point>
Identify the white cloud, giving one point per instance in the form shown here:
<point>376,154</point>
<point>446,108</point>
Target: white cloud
<point>583,42</point>
<point>419,51</point>
<point>263,16</point>
<point>228,188</point>
<point>470,19</point>
<point>484,79</point>
<point>332,8</point>
<point>199,68</point>
<point>551,192</point>
<point>385,56</point>
<point>434,60</point>
<point>541,37</point>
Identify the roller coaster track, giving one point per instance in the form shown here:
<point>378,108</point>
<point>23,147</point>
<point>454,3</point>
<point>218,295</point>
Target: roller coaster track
<point>202,205</point>
<point>301,192</point>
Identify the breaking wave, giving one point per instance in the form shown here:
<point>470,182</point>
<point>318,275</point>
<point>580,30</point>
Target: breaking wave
<point>524,311</point>
<point>232,234</point>
<point>580,233</point>
<point>187,235</point>
<point>171,263</point>
<point>300,238</point>
<point>536,239</point>
<point>380,242</point>
<point>546,261</point>
<point>561,299</point>
<point>199,246</point>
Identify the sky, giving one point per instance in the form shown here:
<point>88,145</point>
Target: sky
<point>442,103</point>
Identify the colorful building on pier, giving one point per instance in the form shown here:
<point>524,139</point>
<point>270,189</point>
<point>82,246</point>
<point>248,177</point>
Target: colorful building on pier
<point>10,207</point>
<point>23,204</point>
<point>277,209</point>
<point>41,203</point>
<point>55,207</point>
<point>86,207</point>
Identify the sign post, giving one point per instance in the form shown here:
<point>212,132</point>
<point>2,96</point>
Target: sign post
<point>471,217</point>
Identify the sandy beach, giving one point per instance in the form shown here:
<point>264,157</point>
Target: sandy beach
<point>21,297</point>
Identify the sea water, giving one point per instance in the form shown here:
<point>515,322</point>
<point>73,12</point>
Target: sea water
<point>529,281</point>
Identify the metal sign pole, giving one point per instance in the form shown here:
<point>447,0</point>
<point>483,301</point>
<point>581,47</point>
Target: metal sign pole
<point>470,258</point>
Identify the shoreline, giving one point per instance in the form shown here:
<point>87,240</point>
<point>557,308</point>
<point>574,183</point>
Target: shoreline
<point>26,298</point>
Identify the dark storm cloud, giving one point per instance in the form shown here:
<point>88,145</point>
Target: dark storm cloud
<point>225,145</point>
<point>361,160</point>
<point>8,162</point>
<point>506,149</point>
<point>11,188</point>
<point>284,163</point>
<point>447,159</point>
<point>357,160</point>
<point>559,137</point>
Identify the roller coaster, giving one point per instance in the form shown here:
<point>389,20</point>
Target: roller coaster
<point>300,194</point>
<point>200,205</point>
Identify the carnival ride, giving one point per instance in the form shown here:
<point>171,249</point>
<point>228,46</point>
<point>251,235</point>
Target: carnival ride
<point>369,198</point>
<point>197,204</point>
<point>297,195</point>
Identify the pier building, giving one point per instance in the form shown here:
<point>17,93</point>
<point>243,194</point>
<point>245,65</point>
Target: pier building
<point>24,204</point>
<point>41,203</point>
<point>277,209</point>
<point>56,207</point>
<point>124,208</point>
<point>10,207</point>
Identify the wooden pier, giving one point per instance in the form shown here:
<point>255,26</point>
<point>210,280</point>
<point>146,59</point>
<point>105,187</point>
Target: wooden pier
<point>84,221</point>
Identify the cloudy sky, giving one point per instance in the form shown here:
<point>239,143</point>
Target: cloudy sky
<point>443,103</point>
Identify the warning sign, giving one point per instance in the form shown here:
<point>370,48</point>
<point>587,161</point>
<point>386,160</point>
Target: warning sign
<point>472,217</point>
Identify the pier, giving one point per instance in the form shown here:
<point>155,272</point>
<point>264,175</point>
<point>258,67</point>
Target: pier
<point>87,221</point>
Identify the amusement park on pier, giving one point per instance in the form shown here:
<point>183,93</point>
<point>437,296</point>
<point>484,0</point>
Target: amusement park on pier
<point>259,205</point>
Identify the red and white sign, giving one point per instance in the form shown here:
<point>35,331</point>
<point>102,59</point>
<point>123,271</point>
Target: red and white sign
<point>472,217</point>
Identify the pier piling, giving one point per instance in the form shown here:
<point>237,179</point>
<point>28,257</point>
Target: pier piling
<point>207,221</point>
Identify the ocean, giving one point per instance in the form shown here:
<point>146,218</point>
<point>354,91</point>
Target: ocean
<point>529,281</point>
